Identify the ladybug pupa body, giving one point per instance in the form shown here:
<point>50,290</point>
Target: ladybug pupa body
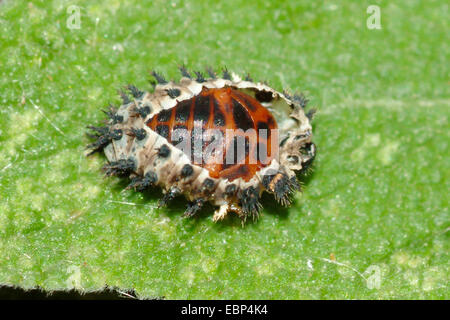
<point>186,137</point>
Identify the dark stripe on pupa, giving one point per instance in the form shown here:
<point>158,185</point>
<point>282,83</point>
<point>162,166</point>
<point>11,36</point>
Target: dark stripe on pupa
<point>164,115</point>
<point>241,117</point>
<point>202,109</point>
<point>183,111</point>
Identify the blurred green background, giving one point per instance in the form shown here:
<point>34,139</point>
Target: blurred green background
<point>373,221</point>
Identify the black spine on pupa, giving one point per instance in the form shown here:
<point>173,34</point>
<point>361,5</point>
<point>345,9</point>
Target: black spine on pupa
<point>159,78</point>
<point>193,207</point>
<point>225,74</point>
<point>124,96</point>
<point>281,186</point>
<point>169,196</point>
<point>250,202</point>
<point>211,73</point>
<point>300,99</point>
<point>104,136</point>
<point>135,92</point>
<point>184,72</point>
<point>141,183</point>
<point>200,78</point>
<point>111,112</point>
<point>120,167</point>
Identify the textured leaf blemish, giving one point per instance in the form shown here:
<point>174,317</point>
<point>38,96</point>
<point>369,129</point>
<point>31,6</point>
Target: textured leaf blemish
<point>388,152</point>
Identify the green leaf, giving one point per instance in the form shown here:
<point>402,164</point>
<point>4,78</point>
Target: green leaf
<point>372,222</point>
